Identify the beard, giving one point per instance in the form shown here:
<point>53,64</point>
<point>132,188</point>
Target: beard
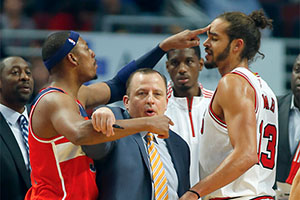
<point>95,77</point>
<point>221,57</point>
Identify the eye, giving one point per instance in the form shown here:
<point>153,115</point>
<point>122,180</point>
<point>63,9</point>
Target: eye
<point>214,39</point>
<point>141,93</point>
<point>297,69</point>
<point>15,72</point>
<point>190,61</point>
<point>28,72</point>
<point>174,63</point>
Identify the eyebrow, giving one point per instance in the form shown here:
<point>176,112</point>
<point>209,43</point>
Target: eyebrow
<point>211,33</point>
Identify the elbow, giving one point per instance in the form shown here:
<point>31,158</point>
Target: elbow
<point>77,141</point>
<point>251,158</point>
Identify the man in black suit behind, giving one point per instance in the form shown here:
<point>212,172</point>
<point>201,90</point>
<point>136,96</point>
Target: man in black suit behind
<point>289,131</point>
<point>16,87</point>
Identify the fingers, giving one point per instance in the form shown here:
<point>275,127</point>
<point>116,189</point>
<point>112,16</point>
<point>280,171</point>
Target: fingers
<point>200,30</point>
<point>110,129</point>
<point>103,120</point>
<point>192,43</point>
<point>171,122</point>
<point>94,122</point>
<point>164,135</point>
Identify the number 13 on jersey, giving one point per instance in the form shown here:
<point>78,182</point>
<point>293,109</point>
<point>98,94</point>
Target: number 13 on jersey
<point>267,145</point>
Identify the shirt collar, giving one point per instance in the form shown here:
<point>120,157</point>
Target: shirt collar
<point>11,115</point>
<point>144,133</point>
<point>293,107</point>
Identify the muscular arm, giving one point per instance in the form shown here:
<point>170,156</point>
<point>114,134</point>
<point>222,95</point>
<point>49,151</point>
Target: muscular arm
<point>114,89</point>
<point>58,114</point>
<point>234,102</point>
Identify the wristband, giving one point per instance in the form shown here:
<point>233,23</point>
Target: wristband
<point>196,193</point>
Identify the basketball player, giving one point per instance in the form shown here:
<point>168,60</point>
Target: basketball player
<point>238,148</point>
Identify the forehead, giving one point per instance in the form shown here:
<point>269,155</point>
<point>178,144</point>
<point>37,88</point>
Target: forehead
<point>81,42</point>
<point>147,81</point>
<point>187,52</point>
<point>297,62</point>
<point>15,62</point>
<point>218,27</point>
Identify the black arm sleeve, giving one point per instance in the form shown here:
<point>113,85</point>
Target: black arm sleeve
<point>117,85</point>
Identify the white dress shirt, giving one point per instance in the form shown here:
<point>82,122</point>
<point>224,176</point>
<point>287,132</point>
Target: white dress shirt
<point>166,159</point>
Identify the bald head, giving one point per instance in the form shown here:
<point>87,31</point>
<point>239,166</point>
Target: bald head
<point>16,82</point>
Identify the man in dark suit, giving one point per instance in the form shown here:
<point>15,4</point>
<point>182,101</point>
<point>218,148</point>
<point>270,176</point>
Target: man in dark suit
<point>289,129</point>
<point>123,166</point>
<point>16,87</point>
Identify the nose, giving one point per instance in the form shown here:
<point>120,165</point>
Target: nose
<point>150,98</point>
<point>24,75</point>
<point>206,43</point>
<point>182,68</point>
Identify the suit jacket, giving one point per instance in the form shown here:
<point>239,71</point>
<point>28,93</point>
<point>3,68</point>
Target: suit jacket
<point>285,157</point>
<point>15,179</point>
<point>122,166</point>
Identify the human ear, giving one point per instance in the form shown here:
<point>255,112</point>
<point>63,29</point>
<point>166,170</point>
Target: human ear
<point>126,102</point>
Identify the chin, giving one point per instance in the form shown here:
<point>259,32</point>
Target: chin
<point>95,77</point>
<point>210,65</point>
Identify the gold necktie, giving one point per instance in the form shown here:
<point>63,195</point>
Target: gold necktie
<point>158,170</point>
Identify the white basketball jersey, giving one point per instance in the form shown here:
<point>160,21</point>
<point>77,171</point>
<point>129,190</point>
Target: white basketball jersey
<point>215,144</point>
<point>187,117</point>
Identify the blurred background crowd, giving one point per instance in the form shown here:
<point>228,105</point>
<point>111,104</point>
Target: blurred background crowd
<point>90,15</point>
<point>26,23</point>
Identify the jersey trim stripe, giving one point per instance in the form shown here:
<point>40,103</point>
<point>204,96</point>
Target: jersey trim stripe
<point>248,80</point>
<point>216,118</point>
<point>68,151</point>
<point>63,187</point>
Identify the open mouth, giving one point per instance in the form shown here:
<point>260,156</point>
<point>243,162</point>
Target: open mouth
<point>150,112</point>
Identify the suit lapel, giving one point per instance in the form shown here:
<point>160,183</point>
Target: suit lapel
<point>137,137</point>
<point>12,145</point>
<point>172,146</point>
<point>284,126</point>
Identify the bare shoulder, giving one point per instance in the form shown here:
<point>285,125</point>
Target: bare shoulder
<point>234,85</point>
<point>233,92</point>
<point>47,109</point>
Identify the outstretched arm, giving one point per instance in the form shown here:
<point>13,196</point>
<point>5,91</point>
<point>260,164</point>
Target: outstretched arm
<point>114,89</point>
<point>64,119</point>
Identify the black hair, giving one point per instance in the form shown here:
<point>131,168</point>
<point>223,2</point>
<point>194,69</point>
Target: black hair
<point>53,43</point>
<point>247,28</point>
<point>196,49</point>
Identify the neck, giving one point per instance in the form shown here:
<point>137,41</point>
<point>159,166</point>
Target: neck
<point>18,107</point>
<point>69,85</point>
<point>231,65</point>
<point>190,93</point>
